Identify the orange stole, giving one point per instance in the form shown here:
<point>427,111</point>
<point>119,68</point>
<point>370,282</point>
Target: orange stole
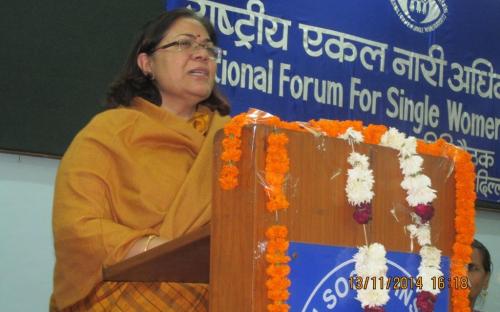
<point>155,296</point>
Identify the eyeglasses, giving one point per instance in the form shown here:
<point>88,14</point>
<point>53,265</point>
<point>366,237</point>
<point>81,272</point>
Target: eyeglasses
<point>191,45</point>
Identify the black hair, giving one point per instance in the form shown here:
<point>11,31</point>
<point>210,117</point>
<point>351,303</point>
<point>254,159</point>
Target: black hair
<point>484,253</point>
<point>132,82</point>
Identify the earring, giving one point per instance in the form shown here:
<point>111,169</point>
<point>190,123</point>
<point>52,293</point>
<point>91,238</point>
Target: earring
<point>482,297</point>
<point>150,76</point>
<point>484,293</point>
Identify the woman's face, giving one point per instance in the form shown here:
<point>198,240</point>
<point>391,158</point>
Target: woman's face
<point>478,277</point>
<point>184,78</point>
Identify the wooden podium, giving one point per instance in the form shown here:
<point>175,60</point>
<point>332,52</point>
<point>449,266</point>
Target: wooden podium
<point>318,213</point>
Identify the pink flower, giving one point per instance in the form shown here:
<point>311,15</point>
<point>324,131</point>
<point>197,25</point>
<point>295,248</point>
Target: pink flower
<point>424,211</point>
<point>425,301</point>
<point>374,309</point>
<point>362,213</point>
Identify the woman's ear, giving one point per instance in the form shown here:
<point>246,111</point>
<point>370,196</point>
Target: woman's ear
<point>144,63</point>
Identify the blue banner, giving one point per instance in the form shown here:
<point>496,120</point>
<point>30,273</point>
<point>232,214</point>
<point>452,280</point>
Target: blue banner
<point>323,280</point>
<point>426,67</point>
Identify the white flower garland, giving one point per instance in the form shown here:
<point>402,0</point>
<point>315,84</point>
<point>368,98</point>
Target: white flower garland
<point>359,186</point>
<point>419,196</point>
<point>430,268</point>
<point>370,260</point>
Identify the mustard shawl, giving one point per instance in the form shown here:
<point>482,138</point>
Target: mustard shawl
<point>130,172</point>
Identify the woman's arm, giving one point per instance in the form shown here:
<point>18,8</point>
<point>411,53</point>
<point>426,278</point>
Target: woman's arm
<point>144,244</point>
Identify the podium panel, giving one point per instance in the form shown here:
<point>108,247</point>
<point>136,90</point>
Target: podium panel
<point>318,213</point>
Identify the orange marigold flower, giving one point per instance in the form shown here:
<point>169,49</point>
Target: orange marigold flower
<point>231,155</point>
<point>228,177</point>
<point>277,165</point>
<point>278,294</point>
<point>278,270</point>
<point>277,245</point>
<point>275,179</point>
<point>277,258</point>
<point>231,142</point>
<point>278,283</point>
<point>276,231</point>
<point>231,152</point>
<point>278,307</point>
<point>279,139</point>
<point>373,133</point>
<point>272,121</point>
<point>277,203</point>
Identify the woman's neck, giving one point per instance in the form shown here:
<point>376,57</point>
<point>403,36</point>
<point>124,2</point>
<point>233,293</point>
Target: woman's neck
<point>179,108</point>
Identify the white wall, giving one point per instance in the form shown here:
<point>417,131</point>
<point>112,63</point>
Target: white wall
<point>26,251</point>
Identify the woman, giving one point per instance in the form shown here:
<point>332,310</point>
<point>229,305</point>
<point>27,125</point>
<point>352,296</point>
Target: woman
<point>479,272</point>
<point>139,174</point>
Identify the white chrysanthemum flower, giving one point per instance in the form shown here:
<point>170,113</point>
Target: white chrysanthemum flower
<point>377,251</point>
<point>360,173</point>
<point>372,297</point>
<point>357,159</point>
<point>357,194</point>
<point>411,165</point>
<point>370,260</point>
<point>412,229</point>
<point>359,187</point>
<point>431,257</point>
<point>427,274</point>
<point>360,259</point>
<point>424,234</point>
<point>416,182</point>
<point>421,232</point>
<point>353,135</point>
<point>420,196</point>
<point>409,147</point>
<point>393,138</point>
<point>361,255</point>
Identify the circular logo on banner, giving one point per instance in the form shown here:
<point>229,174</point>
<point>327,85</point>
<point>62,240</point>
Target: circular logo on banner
<point>421,15</point>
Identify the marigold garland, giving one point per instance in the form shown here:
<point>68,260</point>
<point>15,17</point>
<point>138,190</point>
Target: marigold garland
<point>334,128</point>
<point>231,145</point>
<point>231,152</point>
<point>278,269</point>
<point>277,165</point>
<point>464,213</point>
